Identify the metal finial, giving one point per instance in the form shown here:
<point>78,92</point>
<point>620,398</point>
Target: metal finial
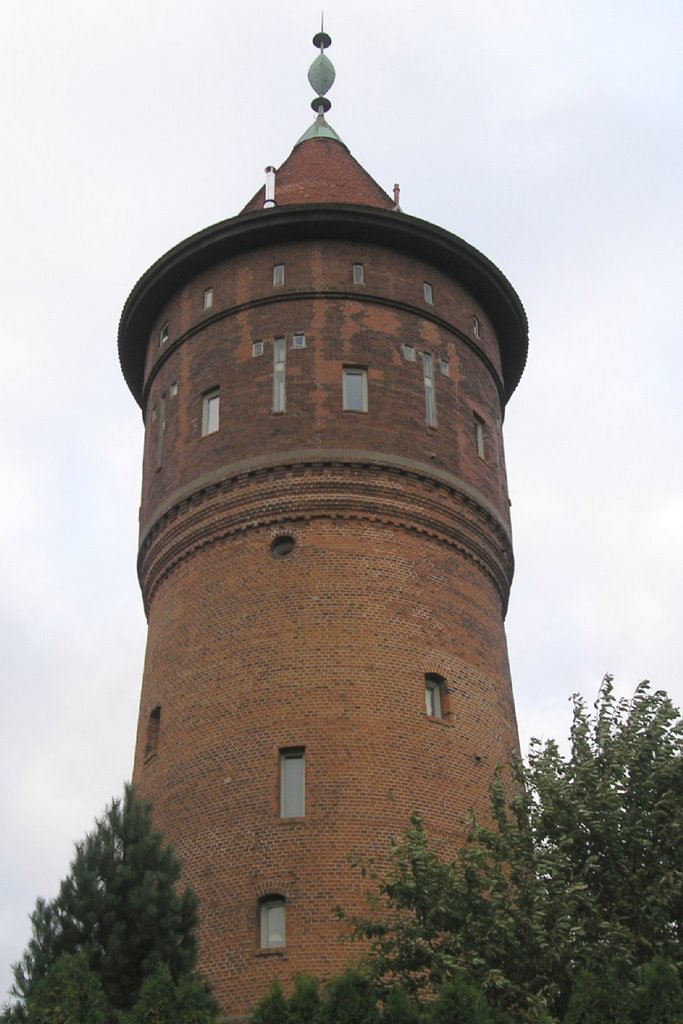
<point>321,73</point>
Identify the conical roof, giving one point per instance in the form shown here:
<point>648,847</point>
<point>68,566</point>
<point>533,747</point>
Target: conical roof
<point>320,169</point>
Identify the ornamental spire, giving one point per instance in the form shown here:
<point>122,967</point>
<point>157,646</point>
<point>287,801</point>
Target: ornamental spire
<point>321,73</point>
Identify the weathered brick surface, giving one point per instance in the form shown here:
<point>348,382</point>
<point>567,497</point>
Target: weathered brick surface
<point>401,567</point>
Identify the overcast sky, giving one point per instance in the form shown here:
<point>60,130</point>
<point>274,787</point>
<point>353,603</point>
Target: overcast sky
<point>548,134</point>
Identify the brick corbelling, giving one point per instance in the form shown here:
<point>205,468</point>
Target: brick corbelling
<point>285,495</point>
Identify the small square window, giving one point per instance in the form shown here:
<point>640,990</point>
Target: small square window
<point>299,341</point>
<point>476,326</point>
<point>355,388</point>
<point>273,923</point>
<point>208,298</point>
<point>210,412</point>
<point>433,695</point>
<point>428,293</point>
<point>173,390</point>
<point>409,353</point>
<point>278,275</point>
<point>292,783</point>
<point>163,335</point>
<point>444,367</point>
<point>358,273</point>
<point>257,348</point>
<point>480,436</point>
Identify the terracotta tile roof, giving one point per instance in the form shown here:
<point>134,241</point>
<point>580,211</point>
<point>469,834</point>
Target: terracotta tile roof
<point>322,170</point>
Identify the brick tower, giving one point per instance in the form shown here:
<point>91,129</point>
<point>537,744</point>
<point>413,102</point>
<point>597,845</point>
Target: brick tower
<point>325,554</point>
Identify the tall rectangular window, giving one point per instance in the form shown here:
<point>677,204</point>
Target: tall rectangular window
<point>479,436</point>
<point>161,430</point>
<point>292,783</point>
<point>430,397</point>
<point>210,412</point>
<point>358,273</point>
<point>273,923</point>
<point>208,298</point>
<point>279,396</point>
<point>428,293</point>
<point>278,275</point>
<point>355,386</point>
<point>476,326</point>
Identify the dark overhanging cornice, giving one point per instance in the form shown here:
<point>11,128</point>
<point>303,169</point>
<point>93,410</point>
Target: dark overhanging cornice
<point>387,228</point>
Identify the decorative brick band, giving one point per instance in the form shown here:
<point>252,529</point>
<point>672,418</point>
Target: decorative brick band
<point>283,495</point>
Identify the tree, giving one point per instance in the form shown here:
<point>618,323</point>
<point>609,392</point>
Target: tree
<point>305,1003</point>
<point>163,1000</point>
<point>580,869</point>
<point>351,998</point>
<point>120,907</point>
<point>273,1007</point>
<point>70,993</point>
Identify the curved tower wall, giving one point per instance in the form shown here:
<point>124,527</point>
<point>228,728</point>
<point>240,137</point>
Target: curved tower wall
<point>399,574</point>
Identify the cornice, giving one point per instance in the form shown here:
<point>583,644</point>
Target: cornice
<point>286,495</point>
<point>391,229</point>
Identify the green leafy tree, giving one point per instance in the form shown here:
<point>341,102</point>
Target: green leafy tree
<point>305,1003</point>
<point>351,999</point>
<point>599,998</point>
<point>121,907</point>
<point>459,1002</point>
<point>273,1007</point>
<point>399,1008</point>
<point>70,993</point>
<point>580,868</point>
<point>658,999</point>
<point>163,1000</point>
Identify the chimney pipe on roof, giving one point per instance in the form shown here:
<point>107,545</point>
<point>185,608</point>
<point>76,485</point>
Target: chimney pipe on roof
<point>270,188</point>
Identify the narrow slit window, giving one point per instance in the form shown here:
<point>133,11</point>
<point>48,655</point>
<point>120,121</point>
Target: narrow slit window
<point>153,727</point>
<point>211,412</point>
<point>163,334</point>
<point>476,326</point>
<point>292,783</point>
<point>358,273</point>
<point>355,387</point>
<point>173,390</point>
<point>433,696</point>
<point>273,923</point>
<point>161,431</point>
<point>208,298</point>
<point>428,293</point>
<point>279,395</point>
<point>430,396</point>
<point>480,436</point>
<point>278,275</point>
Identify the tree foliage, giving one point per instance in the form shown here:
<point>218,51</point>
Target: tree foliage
<point>70,993</point>
<point>580,873</point>
<point>120,908</point>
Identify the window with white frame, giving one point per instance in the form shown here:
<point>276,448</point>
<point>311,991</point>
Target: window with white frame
<point>292,782</point>
<point>434,695</point>
<point>210,412</point>
<point>299,341</point>
<point>273,922</point>
<point>208,298</point>
<point>428,293</point>
<point>358,273</point>
<point>278,275</point>
<point>355,389</point>
<point>409,353</point>
<point>163,334</point>
<point>279,395</point>
<point>257,348</point>
<point>480,436</point>
<point>430,396</point>
<point>444,367</point>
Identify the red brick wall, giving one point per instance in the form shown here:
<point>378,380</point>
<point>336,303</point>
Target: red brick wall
<point>401,567</point>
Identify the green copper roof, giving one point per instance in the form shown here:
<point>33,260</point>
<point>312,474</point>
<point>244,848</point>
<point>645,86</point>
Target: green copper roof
<point>320,129</point>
